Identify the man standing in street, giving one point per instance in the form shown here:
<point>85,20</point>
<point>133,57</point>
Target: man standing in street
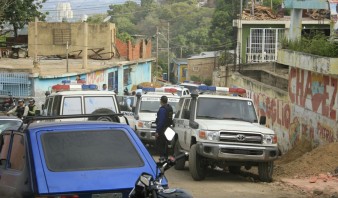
<point>20,110</point>
<point>163,121</point>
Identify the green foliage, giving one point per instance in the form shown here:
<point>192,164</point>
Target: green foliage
<point>208,81</point>
<point>221,31</point>
<point>21,12</point>
<point>192,29</point>
<point>124,36</point>
<point>316,44</point>
<point>195,78</point>
<point>96,18</point>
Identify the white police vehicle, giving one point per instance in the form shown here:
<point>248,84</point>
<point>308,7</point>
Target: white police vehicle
<point>70,98</point>
<point>180,90</point>
<point>223,131</point>
<point>146,109</point>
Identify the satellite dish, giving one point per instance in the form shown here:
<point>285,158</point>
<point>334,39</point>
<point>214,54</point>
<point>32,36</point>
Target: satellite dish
<point>106,19</point>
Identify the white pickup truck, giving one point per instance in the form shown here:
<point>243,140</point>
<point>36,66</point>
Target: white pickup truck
<point>223,131</point>
<point>145,114</point>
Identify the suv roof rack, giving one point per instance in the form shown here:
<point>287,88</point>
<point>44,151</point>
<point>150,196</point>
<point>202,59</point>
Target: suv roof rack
<point>30,119</point>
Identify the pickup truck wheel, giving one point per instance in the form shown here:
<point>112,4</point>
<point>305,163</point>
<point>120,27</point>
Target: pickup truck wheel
<point>179,165</point>
<point>265,170</point>
<point>105,118</point>
<point>196,166</point>
<point>234,169</point>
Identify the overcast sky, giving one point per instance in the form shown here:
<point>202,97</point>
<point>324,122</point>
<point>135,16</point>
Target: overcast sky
<point>81,7</point>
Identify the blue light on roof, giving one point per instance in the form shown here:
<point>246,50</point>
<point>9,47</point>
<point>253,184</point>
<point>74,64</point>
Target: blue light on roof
<point>203,87</point>
<point>65,81</point>
<point>89,87</point>
<point>93,87</point>
<point>148,89</point>
<point>212,88</point>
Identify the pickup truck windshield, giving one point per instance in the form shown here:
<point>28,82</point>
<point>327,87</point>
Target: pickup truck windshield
<point>225,108</point>
<point>153,104</point>
<point>89,150</point>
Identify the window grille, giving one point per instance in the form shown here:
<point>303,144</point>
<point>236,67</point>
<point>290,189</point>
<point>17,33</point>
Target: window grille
<point>61,36</point>
<point>263,44</point>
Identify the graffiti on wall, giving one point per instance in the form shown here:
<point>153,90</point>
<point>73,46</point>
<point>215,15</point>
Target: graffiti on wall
<point>292,122</point>
<point>315,92</point>
<point>96,77</point>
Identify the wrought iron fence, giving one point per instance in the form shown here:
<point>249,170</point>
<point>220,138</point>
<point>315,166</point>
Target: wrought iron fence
<point>15,83</point>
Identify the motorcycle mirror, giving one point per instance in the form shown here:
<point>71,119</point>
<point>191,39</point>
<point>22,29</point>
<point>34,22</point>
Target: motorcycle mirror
<point>169,133</point>
<point>145,179</point>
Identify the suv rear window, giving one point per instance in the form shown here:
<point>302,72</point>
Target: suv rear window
<point>93,103</point>
<point>89,150</point>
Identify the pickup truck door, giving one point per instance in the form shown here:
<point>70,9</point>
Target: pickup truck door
<point>185,116</point>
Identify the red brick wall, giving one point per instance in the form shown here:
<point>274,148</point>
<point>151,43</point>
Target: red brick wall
<point>140,50</point>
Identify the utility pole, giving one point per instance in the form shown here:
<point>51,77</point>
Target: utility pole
<point>67,57</point>
<point>168,56</point>
<point>181,51</point>
<point>156,69</point>
<point>35,63</point>
<point>85,47</point>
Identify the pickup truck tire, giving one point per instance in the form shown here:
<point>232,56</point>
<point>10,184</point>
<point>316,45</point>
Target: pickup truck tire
<point>196,166</point>
<point>179,165</point>
<point>234,169</point>
<point>265,170</point>
<point>105,118</point>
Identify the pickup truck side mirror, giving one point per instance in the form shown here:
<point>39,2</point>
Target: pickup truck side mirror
<point>193,124</point>
<point>262,120</point>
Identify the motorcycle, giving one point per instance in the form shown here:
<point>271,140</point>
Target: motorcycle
<point>148,187</point>
<point>9,103</point>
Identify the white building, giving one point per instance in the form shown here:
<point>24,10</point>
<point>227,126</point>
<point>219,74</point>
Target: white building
<point>64,11</point>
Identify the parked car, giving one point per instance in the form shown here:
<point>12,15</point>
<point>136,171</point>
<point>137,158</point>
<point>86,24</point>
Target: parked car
<point>72,159</point>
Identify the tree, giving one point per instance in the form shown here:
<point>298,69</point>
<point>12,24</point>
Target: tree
<point>96,18</point>
<point>21,12</point>
<point>4,4</point>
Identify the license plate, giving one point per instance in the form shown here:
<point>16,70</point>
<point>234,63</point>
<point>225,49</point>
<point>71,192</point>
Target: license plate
<point>108,195</point>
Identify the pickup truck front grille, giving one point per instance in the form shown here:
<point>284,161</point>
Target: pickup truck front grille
<point>241,137</point>
<point>241,151</point>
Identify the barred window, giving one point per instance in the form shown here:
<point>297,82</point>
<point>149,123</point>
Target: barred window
<point>61,36</point>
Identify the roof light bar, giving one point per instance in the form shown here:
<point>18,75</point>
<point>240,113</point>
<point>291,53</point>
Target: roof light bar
<point>68,85</point>
<point>162,89</point>
<point>222,89</point>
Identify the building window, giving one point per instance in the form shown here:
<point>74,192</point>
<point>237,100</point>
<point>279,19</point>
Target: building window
<point>126,77</point>
<point>61,36</point>
<point>195,69</point>
<point>184,72</point>
<point>263,43</point>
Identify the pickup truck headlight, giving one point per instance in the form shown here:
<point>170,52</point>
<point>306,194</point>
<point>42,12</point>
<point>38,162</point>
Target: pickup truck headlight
<point>143,124</point>
<point>269,139</point>
<point>209,135</point>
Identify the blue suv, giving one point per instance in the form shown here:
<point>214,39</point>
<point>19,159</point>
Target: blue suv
<point>88,159</point>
